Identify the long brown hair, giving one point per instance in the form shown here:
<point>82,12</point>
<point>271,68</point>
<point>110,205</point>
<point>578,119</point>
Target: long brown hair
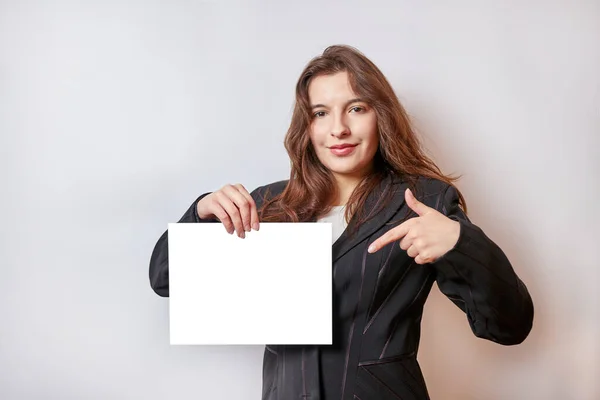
<point>311,186</point>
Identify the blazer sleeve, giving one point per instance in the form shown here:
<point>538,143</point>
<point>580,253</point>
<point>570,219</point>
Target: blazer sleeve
<point>159,260</point>
<point>478,277</point>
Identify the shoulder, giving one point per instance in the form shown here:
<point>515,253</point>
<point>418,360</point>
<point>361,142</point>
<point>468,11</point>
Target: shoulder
<point>423,185</point>
<point>429,191</point>
<point>432,186</point>
<point>440,195</point>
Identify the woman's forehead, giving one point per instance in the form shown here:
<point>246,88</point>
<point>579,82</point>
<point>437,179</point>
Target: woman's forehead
<point>334,88</point>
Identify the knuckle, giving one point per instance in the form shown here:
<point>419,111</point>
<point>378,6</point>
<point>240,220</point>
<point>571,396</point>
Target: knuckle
<point>219,196</point>
<point>223,216</point>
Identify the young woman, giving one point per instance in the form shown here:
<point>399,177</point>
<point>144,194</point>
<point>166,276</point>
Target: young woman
<point>399,225</point>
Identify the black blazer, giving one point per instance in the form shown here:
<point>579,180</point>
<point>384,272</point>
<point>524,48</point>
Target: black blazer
<point>378,302</point>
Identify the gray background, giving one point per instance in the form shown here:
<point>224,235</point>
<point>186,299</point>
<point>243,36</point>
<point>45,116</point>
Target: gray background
<point>114,116</point>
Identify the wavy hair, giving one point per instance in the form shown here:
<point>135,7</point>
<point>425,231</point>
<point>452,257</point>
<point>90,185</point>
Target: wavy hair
<point>311,187</point>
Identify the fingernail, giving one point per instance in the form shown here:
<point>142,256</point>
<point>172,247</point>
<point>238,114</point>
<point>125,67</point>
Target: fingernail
<point>371,248</point>
<point>255,226</point>
<point>247,228</point>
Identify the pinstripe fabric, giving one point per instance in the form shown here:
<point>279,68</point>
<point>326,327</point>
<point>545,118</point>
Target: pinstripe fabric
<point>378,303</point>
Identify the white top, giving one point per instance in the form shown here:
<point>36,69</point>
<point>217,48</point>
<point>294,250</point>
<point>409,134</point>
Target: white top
<point>337,220</point>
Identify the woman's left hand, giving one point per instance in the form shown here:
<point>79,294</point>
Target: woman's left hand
<point>426,237</point>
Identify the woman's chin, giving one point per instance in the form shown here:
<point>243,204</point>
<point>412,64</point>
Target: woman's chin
<point>346,171</point>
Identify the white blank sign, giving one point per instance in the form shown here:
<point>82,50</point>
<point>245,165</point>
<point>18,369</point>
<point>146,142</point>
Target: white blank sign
<point>273,287</point>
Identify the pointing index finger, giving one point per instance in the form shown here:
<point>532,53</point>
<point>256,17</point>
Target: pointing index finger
<point>390,236</point>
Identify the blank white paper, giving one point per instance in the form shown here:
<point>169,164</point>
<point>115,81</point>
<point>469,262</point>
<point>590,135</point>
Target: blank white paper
<point>272,287</point>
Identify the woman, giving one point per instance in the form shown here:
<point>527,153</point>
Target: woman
<point>356,162</point>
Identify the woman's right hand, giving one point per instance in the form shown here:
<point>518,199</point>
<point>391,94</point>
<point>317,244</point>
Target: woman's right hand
<point>233,206</point>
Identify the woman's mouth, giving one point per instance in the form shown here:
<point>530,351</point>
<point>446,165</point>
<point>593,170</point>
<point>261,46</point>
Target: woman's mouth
<point>342,149</point>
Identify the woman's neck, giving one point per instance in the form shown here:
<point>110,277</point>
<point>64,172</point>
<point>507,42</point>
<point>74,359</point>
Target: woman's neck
<point>346,183</point>
<point>345,187</point>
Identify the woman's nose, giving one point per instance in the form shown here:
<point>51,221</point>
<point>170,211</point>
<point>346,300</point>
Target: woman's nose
<point>339,128</point>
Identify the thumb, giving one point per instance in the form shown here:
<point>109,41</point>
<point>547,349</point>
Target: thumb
<point>414,204</point>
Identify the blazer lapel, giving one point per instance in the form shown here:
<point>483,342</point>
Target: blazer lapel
<point>347,241</point>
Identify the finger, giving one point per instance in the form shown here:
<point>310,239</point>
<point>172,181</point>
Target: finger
<point>419,259</point>
<point>254,222</point>
<point>406,242</point>
<point>393,234</point>
<point>241,203</point>
<point>233,212</point>
<point>222,216</point>
<point>412,252</point>
<point>414,204</point>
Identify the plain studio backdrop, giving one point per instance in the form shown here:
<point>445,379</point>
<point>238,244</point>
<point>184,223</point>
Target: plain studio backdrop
<point>115,116</point>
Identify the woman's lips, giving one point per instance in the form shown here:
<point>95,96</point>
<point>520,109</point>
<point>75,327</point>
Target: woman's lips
<point>342,150</point>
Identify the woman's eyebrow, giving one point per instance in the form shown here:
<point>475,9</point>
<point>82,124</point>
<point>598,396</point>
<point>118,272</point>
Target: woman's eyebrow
<point>356,100</point>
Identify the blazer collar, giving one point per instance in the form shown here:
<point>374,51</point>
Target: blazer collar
<point>347,241</point>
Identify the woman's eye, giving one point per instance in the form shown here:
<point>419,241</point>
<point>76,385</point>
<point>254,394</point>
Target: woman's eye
<point>319,114</point>
<point>357,109</point>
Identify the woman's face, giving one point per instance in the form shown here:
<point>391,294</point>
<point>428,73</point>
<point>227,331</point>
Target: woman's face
<point>343,130</point>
